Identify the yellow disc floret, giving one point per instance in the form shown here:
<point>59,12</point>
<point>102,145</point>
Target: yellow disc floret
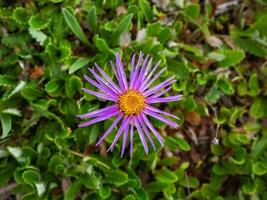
<point>131,102</point>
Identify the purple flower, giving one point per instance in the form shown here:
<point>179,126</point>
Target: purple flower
<point>132,101</point>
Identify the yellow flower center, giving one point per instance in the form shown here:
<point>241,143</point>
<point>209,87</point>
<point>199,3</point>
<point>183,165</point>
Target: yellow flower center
<point>131,102</point>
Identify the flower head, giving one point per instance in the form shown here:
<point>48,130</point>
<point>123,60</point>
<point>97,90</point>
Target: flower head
<point>132,101</point>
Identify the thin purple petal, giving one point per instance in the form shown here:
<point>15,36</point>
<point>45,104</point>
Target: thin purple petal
<point>161,93</point>
<point>100,95</point>
<point>149,76</point>
<point>104,83</point>
<point>124,124</point>
<point>147,69</point>
<point>131,138</point>
<point>141,74</point>
<point>121,72</point>
<point>161,118</point>
<point>135,75</point>
<point>153,79</point>
<point>146,131</point>
<point>141,135</point>
<point>158,87</point>
<point>132,67</point>
<point>113,125</point>
<point>154,131</point>
<point>125,136</point>
<point>115,87</point>
<point>103,88</point>
<point>161,111</point>
<point>99,119</point>
<point>164,99</point>
<point>98,112</point>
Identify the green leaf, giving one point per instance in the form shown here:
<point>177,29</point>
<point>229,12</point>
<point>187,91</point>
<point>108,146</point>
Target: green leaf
<point>30,176</point>
<point>176,142</point>
<point>192,10</point>
<point>129,197</point>
<point>213,95</point>
<point>74,25</point>
<point>259,147</point>
<point>5,123</point>
<point>116,177</point>
<point>20,15</point>
<point>253,85</point>
<point>258,109</point>
<point>259,168</point>
<point>53,87</point>
<point>226,86</point>
<point>146,10</point>
<point>12,111</point>
<point>156,186</point>
<point>92,19</point>
<point>39,36</point>
<point>166,176</point>
<point>105,192</point>
<point>16,89</point>
<point>73,85</point>
<point>31,93</point>
<point>189,182</point>
<point>72,191</point>
<point>122,27</point>
<point>37,23</point>
<point>102,46</point>
<point>78,64</point>
<point>249,188</point>
<point>232,57</point>
<point>251,47</point>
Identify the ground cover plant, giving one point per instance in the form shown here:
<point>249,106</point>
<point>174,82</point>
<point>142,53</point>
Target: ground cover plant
<point>216,50</point>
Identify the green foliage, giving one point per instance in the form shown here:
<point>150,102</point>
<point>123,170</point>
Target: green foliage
<point>218,58</point>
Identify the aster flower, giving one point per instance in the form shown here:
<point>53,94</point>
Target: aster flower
<point>132,101</point>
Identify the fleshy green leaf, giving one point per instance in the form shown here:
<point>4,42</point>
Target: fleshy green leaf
<point>232,58</point>
<point>74,25</point>
<point>78,64</point>
<point>92,19</point>
<point>116,177</point>
<point>123,26</point>
<point>5,123</point>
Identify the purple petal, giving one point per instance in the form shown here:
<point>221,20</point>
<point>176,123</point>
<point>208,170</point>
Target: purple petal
<point>161,118</point>
<point>149,76</point>
<point>147,69</point>
<point>100,95</point>
<point>154,131</point>
<point>161,93</point>
<point>109,129</point>
<point>146,131</point>
<point>164,99</point>
<point>131,138</point>
<point>141,74</point>
<point>99,119</point>
<point>141,135</point>
<point>153,79</point>
<point>121,72</point>
<point>117,76</point>
<point>124,124</point>
<point>158,87</point>
<point>101,87</point>
<point>98,112</point>
<point>160,111</point>
<point>132,67</point>
<point>104,83</point>
<point>108,79</point>
<point>135,75</point>
<point>125,136</point>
